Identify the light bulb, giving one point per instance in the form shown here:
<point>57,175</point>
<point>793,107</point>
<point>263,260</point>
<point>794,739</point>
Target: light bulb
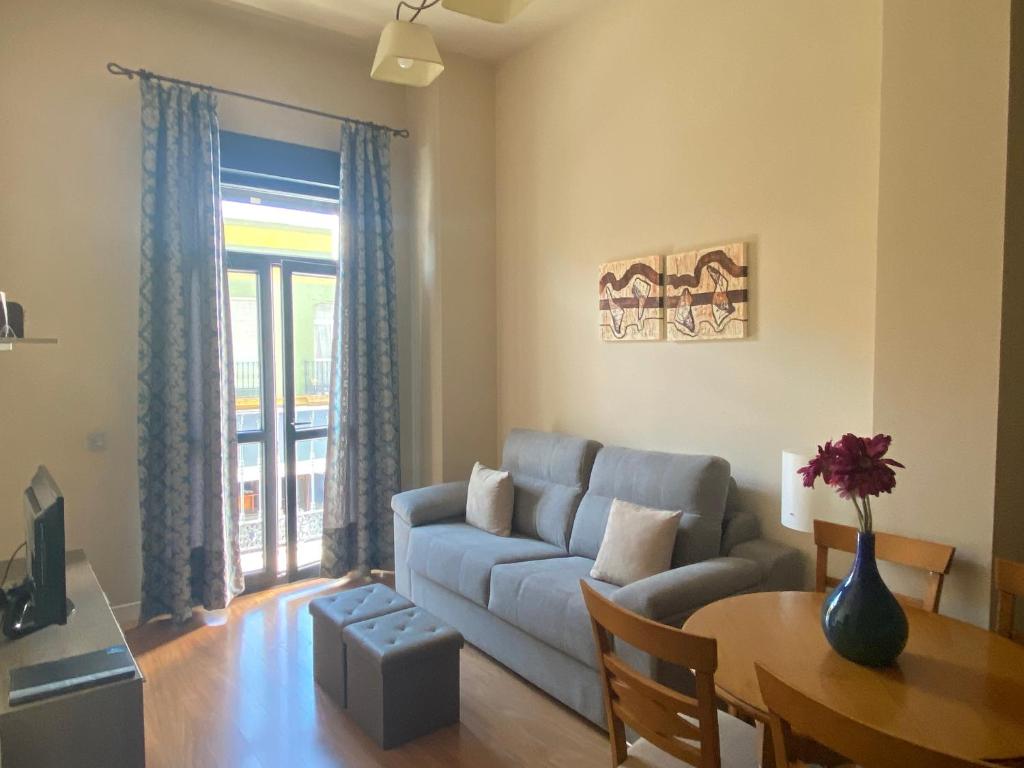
<point>405,63</point>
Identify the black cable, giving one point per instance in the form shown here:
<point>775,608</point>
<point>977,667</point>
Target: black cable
<point>10,560</point>
<point>416,9</point>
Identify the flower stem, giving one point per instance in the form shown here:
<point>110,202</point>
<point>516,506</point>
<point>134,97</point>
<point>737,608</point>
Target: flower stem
<point>860,515</point>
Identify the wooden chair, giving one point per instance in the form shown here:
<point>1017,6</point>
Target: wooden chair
<point>673,727</point>
<point>791,711</point>
<point>1010,586</point>
<point>928,556</point>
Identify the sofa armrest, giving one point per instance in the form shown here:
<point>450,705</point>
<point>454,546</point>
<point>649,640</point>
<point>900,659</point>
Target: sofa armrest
<point>423,506</point>
<point>782,566</point>
<point>671,596</point>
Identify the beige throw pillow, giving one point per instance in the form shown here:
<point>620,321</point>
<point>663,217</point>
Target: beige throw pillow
<point>638,543</point>
<point>489,504</point>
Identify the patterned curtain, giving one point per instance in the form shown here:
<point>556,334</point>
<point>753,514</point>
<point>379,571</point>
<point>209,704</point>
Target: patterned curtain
<point>362,432</point>
<point>187,449</point>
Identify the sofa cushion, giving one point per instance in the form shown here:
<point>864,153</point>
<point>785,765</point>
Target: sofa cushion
<point>698,485</point>
<point>489,502</point>
<point>460,557</point>
<point>550,474</point>
<point>637,543</point>
<point>543,598</point>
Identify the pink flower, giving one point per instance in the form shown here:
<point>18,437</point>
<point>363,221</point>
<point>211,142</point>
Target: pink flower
<point>855,466</point>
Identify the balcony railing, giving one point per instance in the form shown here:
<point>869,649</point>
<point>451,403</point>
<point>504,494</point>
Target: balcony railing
<point>248,377</point>
<point>316,377</point>
<point>250,531</point>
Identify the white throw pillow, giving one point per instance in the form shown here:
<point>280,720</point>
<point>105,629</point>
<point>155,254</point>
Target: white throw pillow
<point>489,504</point>
<point>638,542</point>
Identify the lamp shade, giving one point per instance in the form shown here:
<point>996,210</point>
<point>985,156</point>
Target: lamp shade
<point>800,506</point>
<point>498,11</point>
<point>407,55</point>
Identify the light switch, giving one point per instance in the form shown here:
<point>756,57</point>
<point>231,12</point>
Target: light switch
<point>96,441</point>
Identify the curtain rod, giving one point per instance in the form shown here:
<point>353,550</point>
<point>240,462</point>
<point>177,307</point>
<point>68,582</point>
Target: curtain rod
<point>117,69</point>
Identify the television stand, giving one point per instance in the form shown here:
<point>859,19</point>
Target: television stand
<point>89,727</point>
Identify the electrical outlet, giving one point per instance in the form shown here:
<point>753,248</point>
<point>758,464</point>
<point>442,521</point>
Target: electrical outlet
<point>96,441</point>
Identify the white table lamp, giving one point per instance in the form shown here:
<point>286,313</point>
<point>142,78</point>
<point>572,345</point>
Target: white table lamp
<point>800,506</point>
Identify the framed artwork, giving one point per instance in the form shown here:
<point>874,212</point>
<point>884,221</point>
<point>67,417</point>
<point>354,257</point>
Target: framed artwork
<point>706,293</point>
<point>630,300</point>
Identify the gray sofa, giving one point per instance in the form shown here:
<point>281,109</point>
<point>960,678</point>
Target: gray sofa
<point>518,598</point>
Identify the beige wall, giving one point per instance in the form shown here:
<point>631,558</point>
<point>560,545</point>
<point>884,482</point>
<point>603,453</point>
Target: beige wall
<point>861,165</point>
<point>69,223</point>
<point>654,126</point>
<point>858,163</point>
<point>467,225</point>
<point>945,72</point>
<point>454,246</point>
<point>428,433</point>
<point>1008,528</point>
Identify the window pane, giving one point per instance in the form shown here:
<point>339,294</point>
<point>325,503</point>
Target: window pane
<point>313,328</point>
<point>260,226</point>
<point>309,479</point>
<point>282,458</point>
<point>244,291</point>
<point>323,329</point>
<point>250,506</point>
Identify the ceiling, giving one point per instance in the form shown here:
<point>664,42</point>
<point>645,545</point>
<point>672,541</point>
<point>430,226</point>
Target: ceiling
<point>363,19</point>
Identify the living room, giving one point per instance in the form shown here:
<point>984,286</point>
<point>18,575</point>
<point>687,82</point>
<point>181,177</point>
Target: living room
<point>845,160</point>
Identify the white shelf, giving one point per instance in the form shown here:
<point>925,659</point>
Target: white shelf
<point>7,344</point>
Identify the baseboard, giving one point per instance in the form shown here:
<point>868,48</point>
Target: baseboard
<point>127,615</point>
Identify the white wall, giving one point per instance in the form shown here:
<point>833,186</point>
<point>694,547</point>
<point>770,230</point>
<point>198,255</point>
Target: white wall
<point>69,224</point>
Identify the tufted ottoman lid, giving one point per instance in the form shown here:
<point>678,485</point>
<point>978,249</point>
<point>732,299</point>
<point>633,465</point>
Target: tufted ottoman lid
<point>360,604</point>
<point>403,636</point>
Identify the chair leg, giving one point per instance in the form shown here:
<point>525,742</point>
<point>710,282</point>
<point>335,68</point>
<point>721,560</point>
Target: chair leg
<point>764,737</point>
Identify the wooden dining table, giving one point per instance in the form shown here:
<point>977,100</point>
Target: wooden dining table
<point>956,688</point>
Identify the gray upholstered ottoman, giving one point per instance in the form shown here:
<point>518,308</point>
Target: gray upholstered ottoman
<point>403,675</point>
<point>331,615</point>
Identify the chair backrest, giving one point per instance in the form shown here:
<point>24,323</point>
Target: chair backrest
<point>648,707</point>
<point>697,485</point>
<point>792,712</point>
<point>1010,586</point>
<point>550,473</point>
<point>928,556</point>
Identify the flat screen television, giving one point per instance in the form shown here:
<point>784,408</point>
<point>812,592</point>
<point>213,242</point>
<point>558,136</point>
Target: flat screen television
<point>41,599</point>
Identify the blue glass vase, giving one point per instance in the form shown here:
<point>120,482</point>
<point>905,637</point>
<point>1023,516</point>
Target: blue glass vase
<point>862,620</point>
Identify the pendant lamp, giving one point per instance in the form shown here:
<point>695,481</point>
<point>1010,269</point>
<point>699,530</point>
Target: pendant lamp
<point>407,55</point>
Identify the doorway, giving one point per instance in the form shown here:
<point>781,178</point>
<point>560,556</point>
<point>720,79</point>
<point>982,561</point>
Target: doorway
<point>282,272</point>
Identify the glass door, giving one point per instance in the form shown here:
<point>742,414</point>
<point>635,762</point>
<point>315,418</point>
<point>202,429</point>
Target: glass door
<point>282,326</point>
<point>250,288</point>
<point>308,301</point>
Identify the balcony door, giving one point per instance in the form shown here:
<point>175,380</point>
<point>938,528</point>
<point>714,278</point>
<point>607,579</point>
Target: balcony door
<point>282,273</point>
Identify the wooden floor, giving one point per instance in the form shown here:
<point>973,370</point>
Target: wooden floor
<point>239,693</point>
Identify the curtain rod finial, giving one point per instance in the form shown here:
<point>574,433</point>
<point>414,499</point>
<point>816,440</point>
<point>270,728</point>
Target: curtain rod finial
<point>116,69</point>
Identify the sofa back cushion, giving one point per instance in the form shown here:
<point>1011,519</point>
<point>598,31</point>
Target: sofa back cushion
<point>550,474</point>
<point>698,485</point>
